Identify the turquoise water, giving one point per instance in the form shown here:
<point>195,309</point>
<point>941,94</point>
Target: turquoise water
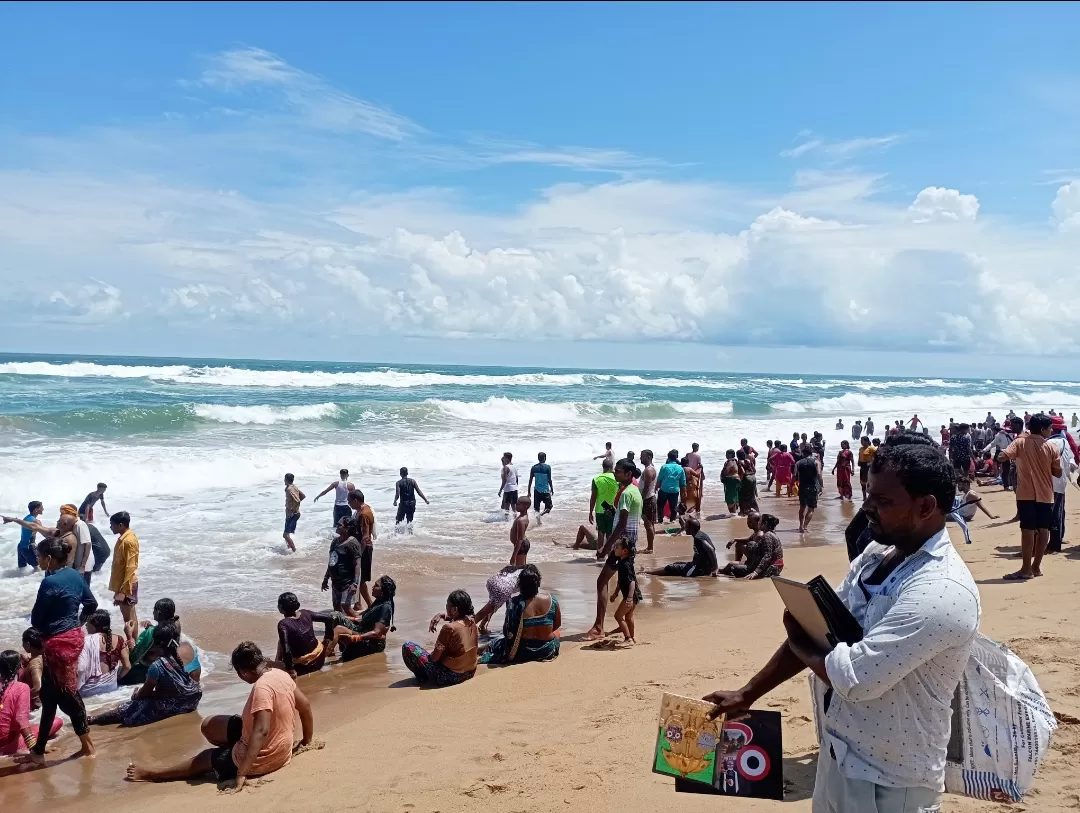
<point>195,450</point>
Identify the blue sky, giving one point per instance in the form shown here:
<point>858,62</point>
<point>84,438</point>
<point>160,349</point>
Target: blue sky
<point>594,180</point>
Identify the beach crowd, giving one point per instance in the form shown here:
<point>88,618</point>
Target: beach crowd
<point>907,586</point>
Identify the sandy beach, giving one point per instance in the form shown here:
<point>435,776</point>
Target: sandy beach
<point>577,733</point>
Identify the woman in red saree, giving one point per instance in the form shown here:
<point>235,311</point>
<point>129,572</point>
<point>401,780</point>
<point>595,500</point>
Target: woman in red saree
<point>844,469</point>
<point>57,616</point>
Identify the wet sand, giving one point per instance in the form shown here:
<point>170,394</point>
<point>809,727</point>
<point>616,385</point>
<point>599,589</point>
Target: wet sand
<point>578,732</point>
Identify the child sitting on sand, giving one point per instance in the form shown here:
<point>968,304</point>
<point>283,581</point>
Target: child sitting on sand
<point>628,586</point>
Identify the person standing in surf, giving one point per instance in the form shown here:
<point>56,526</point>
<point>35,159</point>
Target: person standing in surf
<point>364,522</point>
<point>808,472</point>
<point>508,486</point>
<point>545,486</point>
<point>405,493</point>
<point>518,539</point>
<point>86,510</point>
<point>606,455</point>
<point>647,486</point>
<point>293,497</point>
<point>341,488</point>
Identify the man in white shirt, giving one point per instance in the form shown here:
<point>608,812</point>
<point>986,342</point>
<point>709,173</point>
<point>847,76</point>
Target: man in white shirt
<point>1060,441</point>
<point>341,488</point>
<point>883,705</point>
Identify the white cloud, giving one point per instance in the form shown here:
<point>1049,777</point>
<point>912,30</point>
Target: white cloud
<point>91,304</point>
<point>315,101</point>
<point>1066,205</point>
<point>936,203</point>
<point>841,150</point>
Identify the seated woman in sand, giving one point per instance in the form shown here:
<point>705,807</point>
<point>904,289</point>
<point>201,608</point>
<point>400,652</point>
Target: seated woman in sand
<point>764,554</point>
<point>366,635</point>
<point>167,692</point>
<point>530,631</point>
<point>454,658</point>
<point>104,658</point>
<point>164,611</point>
<point>500,587</point>
<point>16,733</point>
<point>299,650</point>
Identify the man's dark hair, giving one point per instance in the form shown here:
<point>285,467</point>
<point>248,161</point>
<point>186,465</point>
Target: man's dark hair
<point>121,518</point>
<point>510,455</point>
<point>356,494</point>
<point>1039,422</point>
<point>922,469</point>
<point>33,506</point>
<point>102,485</point>
<point>1017,424</point>
<point>288,603</point>
<point>542,457</point>
<point>694,447</point>
<point>246,657</point>
<point>673,455</point>
<point>288,479</point>
<point>403,471</point>
<point>730,454</point>
<point>607,445</point>
<point>692,526</point>
<point>909,437</point>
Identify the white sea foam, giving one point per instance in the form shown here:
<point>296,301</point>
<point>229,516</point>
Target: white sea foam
<point>265,415</point>
<point>501,410</point>
<point>227,376</point>
<point>960,405</point>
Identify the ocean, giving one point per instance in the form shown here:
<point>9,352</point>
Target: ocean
<point>196,450</point>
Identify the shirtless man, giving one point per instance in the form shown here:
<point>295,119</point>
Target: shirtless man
<point>518,538</point>
<point>86,510</point>
<point>648,496</point>
<point>607,455</point>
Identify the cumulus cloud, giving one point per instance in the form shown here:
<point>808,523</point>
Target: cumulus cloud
<point>832,260</point>
<point>936,203</point>
<point>1066,206</point>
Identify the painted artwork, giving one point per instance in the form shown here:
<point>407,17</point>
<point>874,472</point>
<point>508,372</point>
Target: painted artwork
<point>687,740</point>
<point>749,759</point>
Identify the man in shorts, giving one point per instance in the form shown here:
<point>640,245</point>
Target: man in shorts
<point>86,508</point>
<point>647,485</point>
<point>1037,464</point>
<point>256,742</point>
<point>604,488</point>
<point>405,492</point>
<point>540,473</point>
<point>508,485</point>
<point>627,525</point>
<point>124,579</point>
<point>808,473</point>
<point>364,522</point>
<point>344,568</point>
<point>293,497</point>
<point>704,563</point>
<point>341,488</point>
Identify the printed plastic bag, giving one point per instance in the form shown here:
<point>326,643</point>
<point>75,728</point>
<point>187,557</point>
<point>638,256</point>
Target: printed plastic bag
<point>1001,726</point>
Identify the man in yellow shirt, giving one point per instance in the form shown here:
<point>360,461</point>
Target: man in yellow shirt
<point>124,581</point>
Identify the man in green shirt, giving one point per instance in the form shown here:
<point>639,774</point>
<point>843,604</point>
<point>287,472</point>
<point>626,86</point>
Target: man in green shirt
<point>604,488</point>
<point>627,524</point>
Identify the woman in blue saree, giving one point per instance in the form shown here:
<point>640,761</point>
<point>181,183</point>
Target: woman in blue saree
<point>530,631</point>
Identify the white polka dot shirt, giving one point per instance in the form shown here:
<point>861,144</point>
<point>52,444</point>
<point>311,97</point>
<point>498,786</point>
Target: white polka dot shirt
<point>889,714</point>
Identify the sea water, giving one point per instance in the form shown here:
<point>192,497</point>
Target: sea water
<point>196,451</point>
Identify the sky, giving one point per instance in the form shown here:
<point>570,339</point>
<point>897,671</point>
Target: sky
<point>840,187</point>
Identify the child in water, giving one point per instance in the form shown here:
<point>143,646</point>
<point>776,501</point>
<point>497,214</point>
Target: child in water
<point>628,586</point>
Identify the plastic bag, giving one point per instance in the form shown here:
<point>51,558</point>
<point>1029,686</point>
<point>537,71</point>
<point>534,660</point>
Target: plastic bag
<point>1001,726</point>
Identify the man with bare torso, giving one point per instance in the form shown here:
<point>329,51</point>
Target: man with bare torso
<point>518,538</point>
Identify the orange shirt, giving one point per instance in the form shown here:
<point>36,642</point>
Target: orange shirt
<point>1037,464</point>
<point>273,692</point>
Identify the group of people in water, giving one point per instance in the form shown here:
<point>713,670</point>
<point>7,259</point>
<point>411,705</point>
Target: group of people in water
<point>71,651</point>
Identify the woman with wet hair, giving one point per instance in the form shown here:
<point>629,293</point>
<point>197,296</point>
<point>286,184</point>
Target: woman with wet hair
<point>365,635</point>
<point>168,690</point>
<point>454,658</point>
<point>530,631</point>
<point>104,658</point>
<point>299,650</point>
<point>764,554</point>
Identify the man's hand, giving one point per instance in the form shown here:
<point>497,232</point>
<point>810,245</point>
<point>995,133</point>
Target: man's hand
<point>726,703</point>
<point>592,519</point>
<point>8,519</point>
<point>118,598</point>
<point>325,585</point>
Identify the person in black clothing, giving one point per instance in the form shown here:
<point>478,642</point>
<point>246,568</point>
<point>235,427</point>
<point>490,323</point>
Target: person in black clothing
<point>960,448</point>
<point>299,650</point>
<point>405,492</point>
<point>808,473</point>
<point>99,546</point>
<point>704,564</point>
<point>343,569</point>
<point>367,634</point>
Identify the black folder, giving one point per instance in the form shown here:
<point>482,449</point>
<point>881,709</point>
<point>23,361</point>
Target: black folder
<point>819,611</point>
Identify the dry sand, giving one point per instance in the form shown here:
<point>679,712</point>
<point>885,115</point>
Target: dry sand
<point>577,734</point>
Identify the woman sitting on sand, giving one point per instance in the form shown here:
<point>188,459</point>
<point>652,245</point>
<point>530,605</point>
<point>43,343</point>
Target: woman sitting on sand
<point>164,612</point>
<point>167,692</point>
<point>530,631</point>
<point>104,658</point>
<point>764,553</point>
<point>454,658</point>
<point>299,650</point>
<point>16,733</point>
<point>365,635</point>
